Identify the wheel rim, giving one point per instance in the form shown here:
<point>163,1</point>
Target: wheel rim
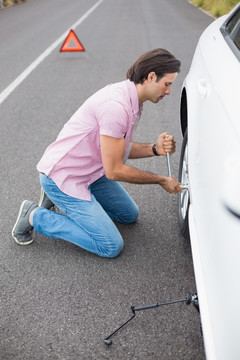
<point>184,196</point>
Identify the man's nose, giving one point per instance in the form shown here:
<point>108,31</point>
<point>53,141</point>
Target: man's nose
<point>167,92</point>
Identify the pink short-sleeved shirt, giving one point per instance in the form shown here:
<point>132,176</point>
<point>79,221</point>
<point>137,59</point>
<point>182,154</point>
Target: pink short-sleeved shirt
<point>73,160</point>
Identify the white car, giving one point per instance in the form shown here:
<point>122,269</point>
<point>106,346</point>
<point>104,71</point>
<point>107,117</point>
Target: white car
<point>209,209</point>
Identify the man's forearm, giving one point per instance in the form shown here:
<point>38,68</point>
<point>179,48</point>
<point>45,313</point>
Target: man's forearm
<point>132,175</point>
<point>140,151</point>
<point>135,176</point>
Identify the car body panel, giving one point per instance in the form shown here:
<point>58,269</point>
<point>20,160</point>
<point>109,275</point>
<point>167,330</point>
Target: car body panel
<point>213,95</point>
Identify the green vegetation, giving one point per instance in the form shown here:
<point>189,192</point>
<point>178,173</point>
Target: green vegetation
<point>216,7</point>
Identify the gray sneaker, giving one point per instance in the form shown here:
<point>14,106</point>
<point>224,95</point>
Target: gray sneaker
<point>44,200</point>
<point>22,230</point>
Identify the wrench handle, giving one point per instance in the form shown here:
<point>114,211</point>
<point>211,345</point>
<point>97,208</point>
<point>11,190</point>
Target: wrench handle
<point>169,165</point>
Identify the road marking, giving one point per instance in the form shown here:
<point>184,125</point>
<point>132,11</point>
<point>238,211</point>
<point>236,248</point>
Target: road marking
<point>10,88</point>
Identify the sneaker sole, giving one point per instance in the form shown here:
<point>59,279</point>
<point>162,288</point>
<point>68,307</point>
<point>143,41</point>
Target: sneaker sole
<point>19,214</point>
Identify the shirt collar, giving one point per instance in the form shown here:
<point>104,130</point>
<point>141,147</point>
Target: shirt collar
<point>133,97</point>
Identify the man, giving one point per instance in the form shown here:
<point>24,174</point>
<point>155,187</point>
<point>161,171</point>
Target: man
<point>80,171</point>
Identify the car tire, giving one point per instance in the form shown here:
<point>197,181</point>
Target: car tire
<point>183,201</point>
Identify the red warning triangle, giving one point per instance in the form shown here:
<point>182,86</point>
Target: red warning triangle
<point>72,43</point>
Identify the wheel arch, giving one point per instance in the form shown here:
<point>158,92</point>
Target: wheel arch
<point>183,111</point>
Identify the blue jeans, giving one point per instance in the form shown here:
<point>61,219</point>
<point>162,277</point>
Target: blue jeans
<point>87,224</point>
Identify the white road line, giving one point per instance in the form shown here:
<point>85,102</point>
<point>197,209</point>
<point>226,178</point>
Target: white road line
<point>10,88</point>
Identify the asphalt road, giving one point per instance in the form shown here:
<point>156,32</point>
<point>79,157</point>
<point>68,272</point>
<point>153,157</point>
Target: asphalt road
<point>58,301</point>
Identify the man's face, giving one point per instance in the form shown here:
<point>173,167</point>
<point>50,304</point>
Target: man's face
<point>158,89</point>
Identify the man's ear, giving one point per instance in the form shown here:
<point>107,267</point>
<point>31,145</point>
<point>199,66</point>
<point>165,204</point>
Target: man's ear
<point>151,76</point>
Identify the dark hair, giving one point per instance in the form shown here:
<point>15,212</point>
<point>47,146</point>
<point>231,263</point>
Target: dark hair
<point>159,61</point>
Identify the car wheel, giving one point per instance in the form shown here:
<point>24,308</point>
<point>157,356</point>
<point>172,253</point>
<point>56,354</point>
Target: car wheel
<point>184,197</point>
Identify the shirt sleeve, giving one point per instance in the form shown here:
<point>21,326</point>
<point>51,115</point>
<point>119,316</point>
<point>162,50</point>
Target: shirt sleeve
<point>113,119</point>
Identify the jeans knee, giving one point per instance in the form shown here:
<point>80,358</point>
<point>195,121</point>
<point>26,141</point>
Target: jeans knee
<point>134,215</point>
<point>114,250</point>
<point>131,217</point>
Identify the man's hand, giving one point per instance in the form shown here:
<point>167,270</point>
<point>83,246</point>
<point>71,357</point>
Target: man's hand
<point>171,185</point>
<point>165,143</point>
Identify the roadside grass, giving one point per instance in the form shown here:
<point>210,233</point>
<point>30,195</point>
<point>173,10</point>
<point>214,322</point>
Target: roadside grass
<point>216,7</point>
<point>6,3</point>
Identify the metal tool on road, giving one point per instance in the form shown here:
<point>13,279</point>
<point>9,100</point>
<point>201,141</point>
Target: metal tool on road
<point>169,164</point>
<point>190,299</point>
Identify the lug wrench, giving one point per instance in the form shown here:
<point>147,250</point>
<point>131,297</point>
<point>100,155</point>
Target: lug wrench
<point>169,164</point>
